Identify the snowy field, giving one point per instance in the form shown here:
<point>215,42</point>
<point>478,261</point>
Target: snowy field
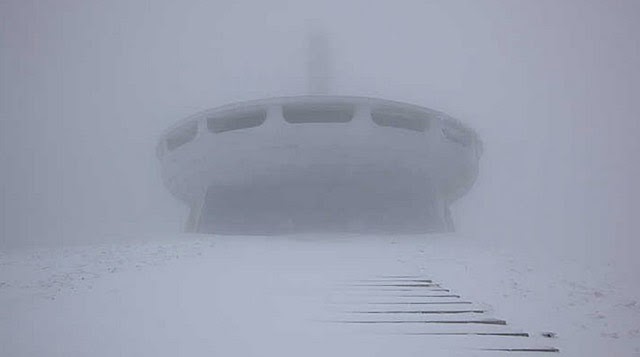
<point>284,296</point>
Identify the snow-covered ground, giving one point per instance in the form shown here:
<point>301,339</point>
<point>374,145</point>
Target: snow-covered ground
<point>280,296</point>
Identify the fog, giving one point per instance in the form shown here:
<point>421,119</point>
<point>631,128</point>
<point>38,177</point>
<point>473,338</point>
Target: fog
<point>551,87</point>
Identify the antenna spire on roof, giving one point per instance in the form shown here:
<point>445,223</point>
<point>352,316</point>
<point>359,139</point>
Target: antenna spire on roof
<point>318,62</point>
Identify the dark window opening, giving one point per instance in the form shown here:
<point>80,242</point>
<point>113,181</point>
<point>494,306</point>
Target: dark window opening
<point>457,135</point>
<point>182,135</point>
<point>317,113</point>
<point>401,120</point>
<point>236,121</point>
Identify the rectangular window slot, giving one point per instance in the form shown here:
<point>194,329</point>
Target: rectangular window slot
<point>236,121</point>
<point>317,113</point>
<point>182,135</point>
<point>457,135</point>
<point>401,120</point>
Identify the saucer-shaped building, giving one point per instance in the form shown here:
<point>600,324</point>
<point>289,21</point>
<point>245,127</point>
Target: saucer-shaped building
<point>319,164</point>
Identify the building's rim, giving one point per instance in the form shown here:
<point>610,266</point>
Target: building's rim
<point>321,99</point>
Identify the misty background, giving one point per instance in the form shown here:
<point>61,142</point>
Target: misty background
<point>552,87</point>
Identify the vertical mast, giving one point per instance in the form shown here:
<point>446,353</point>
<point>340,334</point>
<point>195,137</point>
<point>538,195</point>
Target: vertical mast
<point>318,63</point>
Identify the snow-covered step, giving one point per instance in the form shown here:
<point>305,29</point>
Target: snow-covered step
<point>424,312</point>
